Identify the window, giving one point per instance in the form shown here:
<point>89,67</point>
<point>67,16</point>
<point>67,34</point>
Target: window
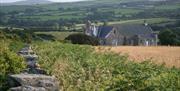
<point>114,31</point>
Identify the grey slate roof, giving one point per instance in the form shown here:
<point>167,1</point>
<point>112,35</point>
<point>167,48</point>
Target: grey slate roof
<point>133,29</point>
<point>128,30</point>
<point>152,35</point>
<point>103,31</point>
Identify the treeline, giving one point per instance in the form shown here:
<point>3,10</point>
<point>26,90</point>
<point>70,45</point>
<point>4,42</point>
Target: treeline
<point>170,37</point>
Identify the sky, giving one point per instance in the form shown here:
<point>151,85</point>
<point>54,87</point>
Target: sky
<point>7,1</point>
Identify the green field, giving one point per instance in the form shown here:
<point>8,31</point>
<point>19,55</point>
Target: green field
<point>63,35</point>
<point>98,10</point>
<point>141,21</point>
<point>136,21</point>
<point>58,35</point>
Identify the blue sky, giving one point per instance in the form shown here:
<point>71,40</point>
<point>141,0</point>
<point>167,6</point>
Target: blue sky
<point>5,1</point>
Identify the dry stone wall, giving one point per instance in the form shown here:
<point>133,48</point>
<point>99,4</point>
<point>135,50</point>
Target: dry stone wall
<point>33,78</point>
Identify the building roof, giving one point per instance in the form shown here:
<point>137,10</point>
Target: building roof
<point>128,30</point>
<point>133,29</point>
<point>103,31</point>
<point>148,36</point>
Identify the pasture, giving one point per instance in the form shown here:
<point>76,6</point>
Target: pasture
<point>57,35</point>
<point>170,56</point>
<point>134,21</point>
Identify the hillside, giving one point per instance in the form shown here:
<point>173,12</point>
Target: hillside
<point>67,14</point>
<point>28,2</point>
<point>50,28</point>
<point>79,67</point>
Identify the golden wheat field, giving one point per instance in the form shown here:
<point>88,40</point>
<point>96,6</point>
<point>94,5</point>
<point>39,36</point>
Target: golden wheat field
<point>170,56</point>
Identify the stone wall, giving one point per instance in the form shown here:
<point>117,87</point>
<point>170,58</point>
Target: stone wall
<point>32,78</point>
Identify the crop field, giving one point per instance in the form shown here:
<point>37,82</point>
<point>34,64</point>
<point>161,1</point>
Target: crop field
<point>170,56</point>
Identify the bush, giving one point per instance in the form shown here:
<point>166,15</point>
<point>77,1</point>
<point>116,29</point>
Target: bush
<point>82,39</point>
<point>79,68</point>
<point>10,63</point>
<point>169,37</point>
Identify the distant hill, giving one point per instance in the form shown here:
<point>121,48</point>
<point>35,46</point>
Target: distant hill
<point>36,2</point>
<point>28,2</point>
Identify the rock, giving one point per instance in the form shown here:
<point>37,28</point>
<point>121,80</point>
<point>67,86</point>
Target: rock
<point>27,88</point>
<point>34,71</point>
<point>29,55</point>
<point>32,82</point>
<point>33,78</point>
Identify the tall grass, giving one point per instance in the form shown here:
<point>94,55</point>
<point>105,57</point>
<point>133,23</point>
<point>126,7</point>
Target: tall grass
<point>80,68</point>
<point>10,63</point>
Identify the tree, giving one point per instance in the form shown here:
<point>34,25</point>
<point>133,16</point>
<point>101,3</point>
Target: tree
<point>105,23</point>
<point>82,39</point>
<point>168,37</point>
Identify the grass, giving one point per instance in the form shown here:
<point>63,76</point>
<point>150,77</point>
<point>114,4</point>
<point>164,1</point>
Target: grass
<point>58,35</point>
<point>168,7</point>
<point>121,10</point>
<point>141,21</point>
<point>136,21</point>
<point>159,55</point>
<point>50,17</point>
<point>80,68</point>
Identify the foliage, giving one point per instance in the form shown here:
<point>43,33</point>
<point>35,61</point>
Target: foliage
<point>80,68</point>
<point>25,36</point>
<point>169,37</point>
<point>82,39</point>
<point>10,63</point>
<point>46,36</point>
<point>57,35</point>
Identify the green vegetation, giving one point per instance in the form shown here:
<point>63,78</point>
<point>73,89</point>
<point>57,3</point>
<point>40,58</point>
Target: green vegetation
<point>66,14</point>
<point>82,39</point>
<point>169,37</point>
<point>58,35</point>
<point>81,68</point>
<point>10,63</point>
<point>136,21</point>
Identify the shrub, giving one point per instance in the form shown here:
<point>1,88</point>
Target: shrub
<point>169,37</point>
<point>82,39</point>
<point>10,63</point>
<point>79,68</point>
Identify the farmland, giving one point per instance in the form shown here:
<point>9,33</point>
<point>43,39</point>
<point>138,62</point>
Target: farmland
<point>159,55</point>
<point>80,67</point>
<point>135,21</point>
<point>58,35</point>
<point>77,13</point>
<point>62,35</point>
